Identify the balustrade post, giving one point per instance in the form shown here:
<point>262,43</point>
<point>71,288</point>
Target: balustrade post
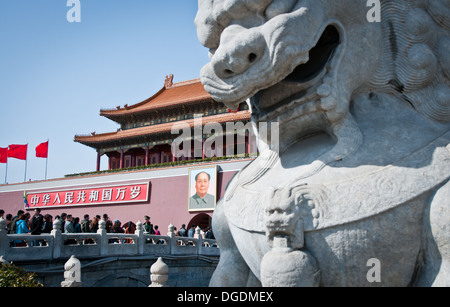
<point>72,273</point>
<point>159,273</point>
<point>3,239</point>
<point>103,237</point>
<point>140,237</point>
<point>197,234</point>
<point>171,234</point>
<point>199,242</point>
<point>170,230</point>
<point>57,238</point>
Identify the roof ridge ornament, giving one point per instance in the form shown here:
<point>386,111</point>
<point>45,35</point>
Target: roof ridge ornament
<point>168,82</point>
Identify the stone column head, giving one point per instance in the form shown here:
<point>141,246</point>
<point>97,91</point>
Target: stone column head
<point>159,273</point>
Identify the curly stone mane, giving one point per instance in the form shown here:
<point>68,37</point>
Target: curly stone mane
<point>416,62</point>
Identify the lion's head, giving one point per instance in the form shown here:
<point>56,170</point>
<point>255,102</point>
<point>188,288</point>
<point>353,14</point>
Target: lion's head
<point>302,61</point>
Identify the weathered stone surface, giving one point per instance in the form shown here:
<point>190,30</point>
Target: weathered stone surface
<point>159,273</point>
<point>72,274</point>
<point>362,166</point>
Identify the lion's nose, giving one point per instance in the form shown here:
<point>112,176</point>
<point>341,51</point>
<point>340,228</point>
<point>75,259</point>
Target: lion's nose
<point>237,52</point>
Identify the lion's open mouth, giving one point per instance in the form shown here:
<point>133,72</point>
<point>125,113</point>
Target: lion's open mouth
<point>318,57</point>
<point>304,76</point>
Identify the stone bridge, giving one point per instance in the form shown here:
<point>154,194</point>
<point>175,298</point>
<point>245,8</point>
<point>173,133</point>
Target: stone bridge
<point>110,259</point>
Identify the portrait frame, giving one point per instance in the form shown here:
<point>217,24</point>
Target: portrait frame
<point>195,202</point>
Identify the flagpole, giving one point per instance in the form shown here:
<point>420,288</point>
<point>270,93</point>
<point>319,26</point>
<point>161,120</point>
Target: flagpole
<point>46,160</point>
<point>46,163</point>
<point>6,172</point>
<point>26,162</point>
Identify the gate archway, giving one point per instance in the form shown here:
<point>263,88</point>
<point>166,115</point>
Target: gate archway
<point>202,219</point>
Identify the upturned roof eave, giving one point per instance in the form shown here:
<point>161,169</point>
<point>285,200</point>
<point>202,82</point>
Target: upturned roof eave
<point>120,116</point>
<point>91,140</point>
<point>147,106</point>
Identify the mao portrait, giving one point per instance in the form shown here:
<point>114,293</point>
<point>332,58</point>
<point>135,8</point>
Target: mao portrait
<point>202,188</point>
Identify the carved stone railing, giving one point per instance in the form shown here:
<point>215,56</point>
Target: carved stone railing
<point>59,245</point>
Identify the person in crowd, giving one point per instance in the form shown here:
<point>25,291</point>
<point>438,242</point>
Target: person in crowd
<point>108,224</point>
<point>182,231</point>
<point>14,220</point>
<point>157,232</point>
<point>36,222</point>
<point>130,229</point>
<point>94,224</point>
<point>63,221</point>
<point>84,225</point>
<point>117,227</point>
<point>21,228</point>
<point>76,225</point>
<point>69,228</point>
<point>148,227</point>
<point>191,231</point>
<point>2,212</point>
<point>35,225</point>
<point>47,225</point>
<point>8,222</point>
<point>209,234</point>
<point>68,225</point>
<point>21,225</point>
<point>27,219</point>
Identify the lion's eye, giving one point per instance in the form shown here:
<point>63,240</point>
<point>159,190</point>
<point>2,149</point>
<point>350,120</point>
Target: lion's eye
<point>278,7</point>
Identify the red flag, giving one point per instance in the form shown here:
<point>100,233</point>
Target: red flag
<point>18,151</point>
<point>3,155</point>
<point>42,150</point>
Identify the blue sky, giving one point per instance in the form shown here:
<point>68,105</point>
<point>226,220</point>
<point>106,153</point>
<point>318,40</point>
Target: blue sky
<point>55,76</point>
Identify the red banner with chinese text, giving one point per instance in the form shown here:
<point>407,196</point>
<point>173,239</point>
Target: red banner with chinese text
<point>118,194</point>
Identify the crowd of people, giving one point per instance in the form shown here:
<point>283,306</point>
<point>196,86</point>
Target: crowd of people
<point>24,223</point>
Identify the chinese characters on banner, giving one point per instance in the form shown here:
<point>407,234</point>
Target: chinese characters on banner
<point>90,196</point>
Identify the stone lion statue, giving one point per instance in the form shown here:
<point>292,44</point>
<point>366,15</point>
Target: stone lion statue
<point>356,192</point>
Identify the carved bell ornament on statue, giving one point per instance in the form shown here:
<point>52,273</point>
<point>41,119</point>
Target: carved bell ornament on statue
<point>296,268</point>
